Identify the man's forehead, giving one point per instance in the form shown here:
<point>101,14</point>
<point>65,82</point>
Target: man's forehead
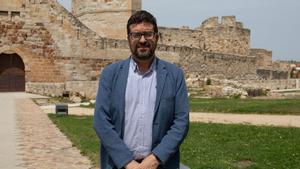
<point>143,24</point>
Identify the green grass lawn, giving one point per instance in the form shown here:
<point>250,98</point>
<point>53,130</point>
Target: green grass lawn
<point>79,130</point>
<point>89,106</point>
<point>220,146</point>
<point>244,106</point>
<point>259,106</point>
<point>209,146</point>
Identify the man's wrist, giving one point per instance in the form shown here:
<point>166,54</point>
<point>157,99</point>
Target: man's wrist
<point>157,159</point>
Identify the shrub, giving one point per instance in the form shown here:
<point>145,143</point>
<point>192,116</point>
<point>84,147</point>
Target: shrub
<point>208,81</point>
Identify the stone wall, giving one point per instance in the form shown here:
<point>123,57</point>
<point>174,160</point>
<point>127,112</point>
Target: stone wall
<point>282,65</point>
<point>228,37</point>
<point>55,47</point>
<point>59,49</point>
<point>86,89</point>
<point>275,84</point>
<point>227,66</point>
<point>181,37</point>
<point>11,5</point>
<point>106,17</point>
<point>264,57</point>
<point>272,74</point>
<point>34,45</point>
<point>51,89</point>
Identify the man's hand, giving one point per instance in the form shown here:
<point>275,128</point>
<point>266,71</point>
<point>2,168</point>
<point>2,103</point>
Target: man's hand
<point>150,162</point>
<point>132,165</point>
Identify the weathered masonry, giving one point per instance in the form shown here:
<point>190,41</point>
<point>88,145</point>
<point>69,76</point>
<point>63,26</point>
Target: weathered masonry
<point>48,50</point>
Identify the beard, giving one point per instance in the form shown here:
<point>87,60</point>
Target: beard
<point>143,51</point>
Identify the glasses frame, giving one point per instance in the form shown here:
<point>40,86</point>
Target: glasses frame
<point>140,34</point>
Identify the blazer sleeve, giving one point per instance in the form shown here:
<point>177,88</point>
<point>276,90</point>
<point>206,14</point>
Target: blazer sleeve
<point>110,139</point>
<point>171,141</point>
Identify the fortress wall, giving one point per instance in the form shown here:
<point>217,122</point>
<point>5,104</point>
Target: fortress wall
<point>181,37</point>
<point>227,37</point>
<point>274,84</point>
<point>55,47</point>
<point>59,50</point>
<point>36,48</point>
<point>272,74</point>
<point>11,5</point>
<point>264,57</point>
<point>106,17</point>
<point>204,64</point>
<point>80,7</point>
<point>111,28</point>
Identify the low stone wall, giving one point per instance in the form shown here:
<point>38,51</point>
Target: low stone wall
<point>52,89</point>
<point>86,89</point>
<point>276,84</point>
<point>272,74</point>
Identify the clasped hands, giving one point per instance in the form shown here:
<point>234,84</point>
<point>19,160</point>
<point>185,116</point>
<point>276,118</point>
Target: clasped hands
<point>150,162</point>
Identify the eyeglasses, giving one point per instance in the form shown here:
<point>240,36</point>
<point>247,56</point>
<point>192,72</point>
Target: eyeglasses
<point>138,35</point>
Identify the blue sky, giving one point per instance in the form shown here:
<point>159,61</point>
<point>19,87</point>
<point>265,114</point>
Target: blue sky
<point>274,24</point>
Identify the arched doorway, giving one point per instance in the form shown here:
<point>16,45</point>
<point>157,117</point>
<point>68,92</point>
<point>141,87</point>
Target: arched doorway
<point>12,73</point>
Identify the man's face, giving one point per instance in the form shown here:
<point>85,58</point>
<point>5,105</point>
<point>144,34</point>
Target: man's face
<point>142,40</point>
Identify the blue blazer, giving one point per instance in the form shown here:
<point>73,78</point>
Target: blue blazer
<point>170,123</point>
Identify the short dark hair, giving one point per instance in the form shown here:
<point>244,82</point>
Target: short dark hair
<point>140,17</point>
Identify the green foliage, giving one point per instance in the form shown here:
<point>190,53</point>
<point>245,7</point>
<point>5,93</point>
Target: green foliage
<point>208,146</point>
<point>208,81</point>
<point>259,106</point>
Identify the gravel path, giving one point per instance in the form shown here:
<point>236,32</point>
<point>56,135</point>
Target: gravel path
<point>226,118</point>
<point>41,144</point>
<point>253,119</point>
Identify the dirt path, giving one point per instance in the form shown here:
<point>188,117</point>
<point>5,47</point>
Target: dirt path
<point>9,157</point>
<point>226,118</point>
<point>254,119</point>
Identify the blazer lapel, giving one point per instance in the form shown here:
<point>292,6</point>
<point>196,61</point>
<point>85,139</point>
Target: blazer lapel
<point>161,77</point>
<point>122,81</point>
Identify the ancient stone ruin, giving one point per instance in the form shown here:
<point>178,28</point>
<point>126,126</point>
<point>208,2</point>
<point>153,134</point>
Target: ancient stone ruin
<point>48,50</point>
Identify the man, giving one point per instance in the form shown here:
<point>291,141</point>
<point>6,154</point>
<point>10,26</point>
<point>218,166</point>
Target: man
<point>141,114</point>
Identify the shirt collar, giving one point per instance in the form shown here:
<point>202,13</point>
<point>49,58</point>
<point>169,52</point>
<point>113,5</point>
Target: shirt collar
<point>135,68</point>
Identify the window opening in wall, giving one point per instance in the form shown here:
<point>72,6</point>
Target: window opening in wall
<point>39,24</point>
<point>15,13</point>
<point>3,13</point>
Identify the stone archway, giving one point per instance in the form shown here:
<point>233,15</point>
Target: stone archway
<point>12,73</point>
